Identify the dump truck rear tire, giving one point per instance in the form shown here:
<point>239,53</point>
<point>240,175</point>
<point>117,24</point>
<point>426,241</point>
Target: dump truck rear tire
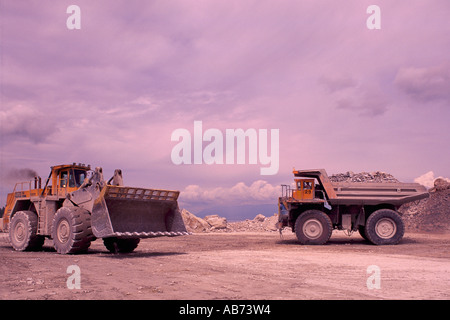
<point>23,232</point>
<point>313,227</point>
<point>384,226</point>
<point>115,245</point>
<point>72,232</point>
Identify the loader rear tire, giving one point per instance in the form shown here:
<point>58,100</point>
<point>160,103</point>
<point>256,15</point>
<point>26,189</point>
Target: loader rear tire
<point>313,227</point>
<point>72,232</point>
<point>384,226</point>
<point>23,232</point>
<point>116,245</point>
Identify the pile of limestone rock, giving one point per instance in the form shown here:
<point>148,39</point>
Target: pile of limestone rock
<point>215,223</point>
<point>350,176</point>
<point>259,223</point>
<point>431,214</point>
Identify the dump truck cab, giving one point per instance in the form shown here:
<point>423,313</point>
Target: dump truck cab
<point>304,189</point>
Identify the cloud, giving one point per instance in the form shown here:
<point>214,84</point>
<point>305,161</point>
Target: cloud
<point>365,103</point>
<point>365,100</point>
<point>425,84</point>
<point>259,191</point>
<point>27,122</point>
<point>337,83</point>
<point>427,179</point>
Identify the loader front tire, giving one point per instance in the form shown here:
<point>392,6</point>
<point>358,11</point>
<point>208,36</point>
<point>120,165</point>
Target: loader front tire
<point>116,245</point>
<point>313,227</point>
<point>72,232</point>
<point>384,226</point>
<point>23,232</point>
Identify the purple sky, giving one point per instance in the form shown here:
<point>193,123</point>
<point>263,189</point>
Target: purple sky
<point>110,94</point>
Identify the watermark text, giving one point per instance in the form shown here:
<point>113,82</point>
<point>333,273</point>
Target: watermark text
<point>236,146</point>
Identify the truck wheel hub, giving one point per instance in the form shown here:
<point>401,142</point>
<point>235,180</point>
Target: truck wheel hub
<point>19,232</point>
<point>312,229</point>
<point>63,231</point>
<point>385,228</point>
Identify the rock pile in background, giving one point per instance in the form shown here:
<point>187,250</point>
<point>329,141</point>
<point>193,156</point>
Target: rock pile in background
<point>440,185</point>
<point>215,223</point>
<point>432,214</point>
<point>193,223</point>
<point>259,223</point>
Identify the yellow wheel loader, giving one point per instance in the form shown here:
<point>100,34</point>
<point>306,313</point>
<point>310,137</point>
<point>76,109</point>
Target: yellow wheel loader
<point>76,206</point>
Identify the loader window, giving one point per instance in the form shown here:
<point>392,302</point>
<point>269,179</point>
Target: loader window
<point>76,178</point>
<point>63,181</point>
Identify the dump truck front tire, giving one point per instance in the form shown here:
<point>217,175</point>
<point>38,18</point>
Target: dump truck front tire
<point>384,226</point>
<point>72,232</point>
<point>313,227</point>
<point>23,232</point>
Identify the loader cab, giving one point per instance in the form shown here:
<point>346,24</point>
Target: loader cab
<point>304,189</point>
<point>67,178</point>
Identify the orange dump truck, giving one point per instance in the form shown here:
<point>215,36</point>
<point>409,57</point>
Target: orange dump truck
<point>316,206</point>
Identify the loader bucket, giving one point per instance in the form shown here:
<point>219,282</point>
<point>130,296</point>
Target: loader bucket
<point>126,212</point>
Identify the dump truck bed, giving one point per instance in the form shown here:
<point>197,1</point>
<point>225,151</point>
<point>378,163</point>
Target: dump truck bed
<point>367,193</point>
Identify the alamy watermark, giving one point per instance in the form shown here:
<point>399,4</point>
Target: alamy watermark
<point>73,22</point>
<point>232,147</point>
<point>74,280</point>
<point>374,280</point>
<point>373,22</point>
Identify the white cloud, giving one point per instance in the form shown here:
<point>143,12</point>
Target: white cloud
<point>26,121</point>
<point>259,191</point>
<point>427,179</point>
<point>356,96</point>
<point>425,84</point>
